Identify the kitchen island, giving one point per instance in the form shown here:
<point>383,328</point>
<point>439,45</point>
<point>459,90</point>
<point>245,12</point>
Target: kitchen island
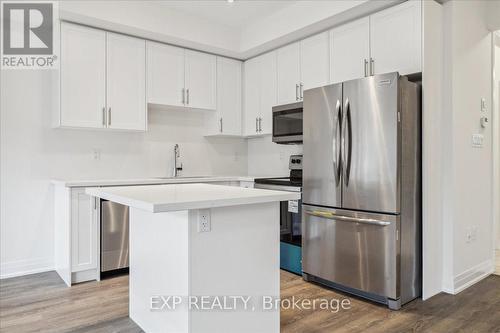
<point>203,258</point>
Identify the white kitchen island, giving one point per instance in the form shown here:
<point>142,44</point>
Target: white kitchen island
<point>182,269</point>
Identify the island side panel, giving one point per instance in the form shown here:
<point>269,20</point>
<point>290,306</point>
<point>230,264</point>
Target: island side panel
<point>158,267</point>
<point>62,232</point>
<point>238,256</point>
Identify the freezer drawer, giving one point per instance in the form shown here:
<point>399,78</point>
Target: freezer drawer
<point>114,236</point>
<point>353,249</point>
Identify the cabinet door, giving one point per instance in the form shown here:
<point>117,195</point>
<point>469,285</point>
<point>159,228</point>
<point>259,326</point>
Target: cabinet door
<point>314,61</point>
<point>395,35</point>
<point>350,51</point>
<point>288,67</point>
<point>229,96</point>
<point>200,71</point>
<point>126,82</point>
<point>251,73</point>
<point>83,76</point>
<point>83,231</point>
<point>165,74</point>
<point>268,90</point>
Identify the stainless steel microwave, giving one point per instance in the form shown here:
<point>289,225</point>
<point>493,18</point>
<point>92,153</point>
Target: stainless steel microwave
<point>287,123</point>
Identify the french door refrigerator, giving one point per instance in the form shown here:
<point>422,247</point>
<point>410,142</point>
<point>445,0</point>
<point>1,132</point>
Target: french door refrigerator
<point>362,188</point>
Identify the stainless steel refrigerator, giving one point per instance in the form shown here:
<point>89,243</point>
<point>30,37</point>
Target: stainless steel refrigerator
<point>362,188</point>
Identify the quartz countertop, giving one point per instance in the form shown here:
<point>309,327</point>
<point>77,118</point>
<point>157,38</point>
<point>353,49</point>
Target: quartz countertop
<point>174,197</point>
<point>149,181</point>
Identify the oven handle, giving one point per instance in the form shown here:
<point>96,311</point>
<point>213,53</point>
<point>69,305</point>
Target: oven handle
<point>332,216</point>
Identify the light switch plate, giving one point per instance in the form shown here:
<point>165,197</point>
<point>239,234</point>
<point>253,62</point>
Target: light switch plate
<point>483,104</point>
<point>477,140</point>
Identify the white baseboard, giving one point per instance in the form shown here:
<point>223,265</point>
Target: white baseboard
<point>25,267</point>
<point>471,276</point>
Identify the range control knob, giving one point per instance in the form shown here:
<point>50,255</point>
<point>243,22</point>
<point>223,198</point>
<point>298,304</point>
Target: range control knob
<point>294,161</point>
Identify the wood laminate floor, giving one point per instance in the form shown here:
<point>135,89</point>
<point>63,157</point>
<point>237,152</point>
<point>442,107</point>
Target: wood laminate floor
<point>42,303</point>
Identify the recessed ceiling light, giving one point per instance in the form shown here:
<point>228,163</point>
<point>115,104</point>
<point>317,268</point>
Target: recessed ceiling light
<point>230,1</point>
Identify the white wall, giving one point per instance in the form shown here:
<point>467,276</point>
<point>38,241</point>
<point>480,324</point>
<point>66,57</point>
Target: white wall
<point>154,20</point>
<point>432,149</point>
<point>496,131</point>
<point>468,170</point>
<point>266,158</point>
<point>32,153</point>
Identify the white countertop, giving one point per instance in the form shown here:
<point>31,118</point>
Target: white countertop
<point>150,181</point>
<point>163,198</point>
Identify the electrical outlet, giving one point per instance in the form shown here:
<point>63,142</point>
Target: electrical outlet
<point>204,220</point>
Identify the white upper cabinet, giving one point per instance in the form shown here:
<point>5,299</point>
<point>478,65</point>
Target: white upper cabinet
<point>165,74</point>
<point>350,51</point>
<point>260,87</point>
<point>227,119</point>
<point>395,36</point>
<point>200,71</point>
<point>268,90</point>
<point>126,82</point>
<point>103,79</point>
<point>302,65</point>
<point>314,61</point>
<point>83,77</point>
<point>251,96</point>
<point>288,65</point>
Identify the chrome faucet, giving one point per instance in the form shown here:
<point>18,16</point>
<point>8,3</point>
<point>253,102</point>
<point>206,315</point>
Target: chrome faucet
<point>177,155</point>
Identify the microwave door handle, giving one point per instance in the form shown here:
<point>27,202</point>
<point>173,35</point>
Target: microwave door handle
<point>336,152</point>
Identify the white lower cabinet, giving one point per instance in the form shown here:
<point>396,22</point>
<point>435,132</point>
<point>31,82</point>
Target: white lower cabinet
<point>76,234</point>
<point>84,224</point>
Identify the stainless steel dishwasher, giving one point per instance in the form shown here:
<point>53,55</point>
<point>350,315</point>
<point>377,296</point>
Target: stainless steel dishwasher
<point>114,238</point>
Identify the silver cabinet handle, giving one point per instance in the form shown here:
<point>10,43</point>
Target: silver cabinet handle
<point>301,90</point>
<point>366,67</point>
<point>187,96</point>
<point>109,116</point>
<point>221,125</point>
<point>183,96</point>
<point>256,124</point>
<point>104,117</point>
<point>372,66</point>
<point>296,92</point>
<point>332,216</point>
<point>260,124</point>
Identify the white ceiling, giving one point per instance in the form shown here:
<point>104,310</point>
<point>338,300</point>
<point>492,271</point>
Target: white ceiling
<point>237,14</point>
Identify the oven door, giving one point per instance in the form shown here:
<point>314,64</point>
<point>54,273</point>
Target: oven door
<point>287,123</point>
<point>290,214</point>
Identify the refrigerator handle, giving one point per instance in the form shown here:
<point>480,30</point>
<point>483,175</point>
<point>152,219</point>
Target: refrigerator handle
<point>332,216</point>
<point>346,151</point>
<point>337,152</point>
